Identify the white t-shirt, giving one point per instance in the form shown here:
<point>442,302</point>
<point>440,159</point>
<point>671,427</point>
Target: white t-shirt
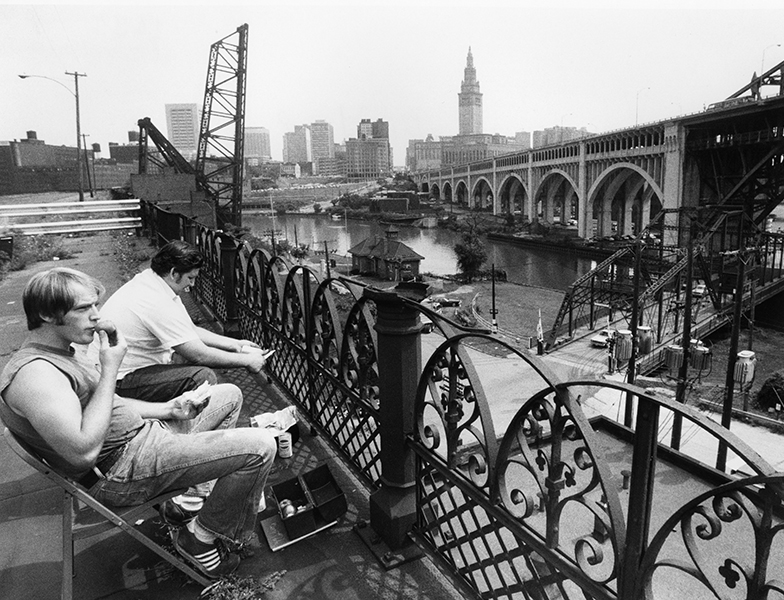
<point>152,318</point>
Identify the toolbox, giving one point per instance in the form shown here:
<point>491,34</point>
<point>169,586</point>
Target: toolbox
<point>306,504</point>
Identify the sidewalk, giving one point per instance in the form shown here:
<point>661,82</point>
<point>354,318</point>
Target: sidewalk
<point>333,564</point>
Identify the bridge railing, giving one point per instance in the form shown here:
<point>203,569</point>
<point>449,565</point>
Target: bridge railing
<point>553,505</point>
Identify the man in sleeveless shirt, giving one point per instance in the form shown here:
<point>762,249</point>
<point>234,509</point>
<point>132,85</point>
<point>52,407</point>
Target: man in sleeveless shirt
<point>123,450</point>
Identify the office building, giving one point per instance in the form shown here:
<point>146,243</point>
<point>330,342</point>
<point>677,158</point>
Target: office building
<point>257,145</point>
<point>297,145</point>
<point>183,124</point>
<point>557,135</point>
<point>369,157</point>
<point>470,100</point>
<point>322,139</point>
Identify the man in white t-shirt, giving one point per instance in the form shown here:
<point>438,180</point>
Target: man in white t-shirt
<point>167,353</point>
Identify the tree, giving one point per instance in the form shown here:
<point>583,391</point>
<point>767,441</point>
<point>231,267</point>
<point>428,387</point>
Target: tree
<point>300,252</point>
<point>471,253</point>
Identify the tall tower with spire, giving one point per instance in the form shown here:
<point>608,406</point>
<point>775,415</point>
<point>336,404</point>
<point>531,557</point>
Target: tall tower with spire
<point>470,100</point>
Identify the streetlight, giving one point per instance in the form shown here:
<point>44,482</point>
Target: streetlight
<point>637,104</point>
<point>75,94</point>
<point>762,66</point>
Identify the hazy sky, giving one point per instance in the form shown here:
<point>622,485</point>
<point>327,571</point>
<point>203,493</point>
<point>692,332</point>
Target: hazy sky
<point>595,64</point>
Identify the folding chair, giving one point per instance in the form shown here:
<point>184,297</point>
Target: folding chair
<point>72,531</point>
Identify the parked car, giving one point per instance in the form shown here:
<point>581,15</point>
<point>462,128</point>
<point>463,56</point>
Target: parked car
<point>601,339</point>
<point>699,290</point>
<point>446,301</point>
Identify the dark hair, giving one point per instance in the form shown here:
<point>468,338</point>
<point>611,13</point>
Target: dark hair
<point>177,255</point>
<point>51,294</point>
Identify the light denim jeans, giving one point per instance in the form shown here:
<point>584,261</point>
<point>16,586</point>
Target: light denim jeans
<point>160,383</point>
<point>171,455</point>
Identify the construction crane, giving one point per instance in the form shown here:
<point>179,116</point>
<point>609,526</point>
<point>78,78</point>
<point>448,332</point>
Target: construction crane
<point>220,154</point>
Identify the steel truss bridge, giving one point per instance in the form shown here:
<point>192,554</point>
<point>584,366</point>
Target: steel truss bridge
<point>692,195</point>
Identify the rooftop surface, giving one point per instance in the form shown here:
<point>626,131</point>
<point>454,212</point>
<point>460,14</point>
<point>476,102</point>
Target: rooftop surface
<point>333,564</point>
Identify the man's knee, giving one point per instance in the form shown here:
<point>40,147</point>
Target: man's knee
<point>202,374</point>
<point>228,395</point>
<point>267,446</point>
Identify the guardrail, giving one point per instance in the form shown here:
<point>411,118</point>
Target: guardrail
<point>85,217</point>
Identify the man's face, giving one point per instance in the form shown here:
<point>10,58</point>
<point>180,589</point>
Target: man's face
<point>77,326</point>
<point>182,282</point>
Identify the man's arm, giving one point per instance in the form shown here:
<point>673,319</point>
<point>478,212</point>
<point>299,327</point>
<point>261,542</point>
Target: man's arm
<point>198,352</point>
<point>43,395</point>
<point>222,342</point>
<point>180,408</point>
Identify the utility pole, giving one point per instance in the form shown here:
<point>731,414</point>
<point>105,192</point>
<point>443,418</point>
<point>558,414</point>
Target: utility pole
<point>87,165</point>
<point>76,76</point>
<point>680,391</point>
<point>493,311</point>
<point>726,413</point>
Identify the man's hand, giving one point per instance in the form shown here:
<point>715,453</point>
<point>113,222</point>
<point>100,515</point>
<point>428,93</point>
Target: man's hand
<point>191,403</point>
<point>258,358</point>
<point>113,345</point>
<point>185,407</point>
<point>247,346</point>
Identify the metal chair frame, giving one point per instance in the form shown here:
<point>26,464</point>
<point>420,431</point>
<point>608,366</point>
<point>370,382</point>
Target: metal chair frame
<point>72,531</point>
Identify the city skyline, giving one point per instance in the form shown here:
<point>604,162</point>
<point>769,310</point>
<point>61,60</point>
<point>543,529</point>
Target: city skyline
<point>603,67</point>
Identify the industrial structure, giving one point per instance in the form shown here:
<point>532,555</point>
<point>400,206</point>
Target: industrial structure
<point>220,153</point>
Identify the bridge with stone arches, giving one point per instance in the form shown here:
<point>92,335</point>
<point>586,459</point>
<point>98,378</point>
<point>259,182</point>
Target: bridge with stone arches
<point>624,177</point>
<point>705,182</point>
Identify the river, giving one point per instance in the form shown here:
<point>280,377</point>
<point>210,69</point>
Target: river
<point>531,266</point>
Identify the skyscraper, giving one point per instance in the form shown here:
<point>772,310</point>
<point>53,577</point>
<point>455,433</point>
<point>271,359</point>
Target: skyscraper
<point>470,100</point>
<point>257,144</point>
<point>364,129</point>
<point>471,143</point>
<point>369,156</point>
<point>182,124</point>
<point>297,146</point>
<point>322,141</point>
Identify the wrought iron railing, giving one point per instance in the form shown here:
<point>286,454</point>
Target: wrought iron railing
<point>553,505</point>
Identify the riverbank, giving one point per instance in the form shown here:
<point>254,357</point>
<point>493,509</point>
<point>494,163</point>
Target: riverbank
<point>565,245</point>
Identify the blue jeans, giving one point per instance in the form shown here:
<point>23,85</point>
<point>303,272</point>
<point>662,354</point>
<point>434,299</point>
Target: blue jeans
<point>160,383</point>
<point>174,455</point>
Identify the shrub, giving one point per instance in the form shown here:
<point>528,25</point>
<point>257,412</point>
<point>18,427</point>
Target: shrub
<point>29,249</point>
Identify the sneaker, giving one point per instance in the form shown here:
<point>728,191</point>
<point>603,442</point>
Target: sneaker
<point>175,515</point>
<point>207,558</point>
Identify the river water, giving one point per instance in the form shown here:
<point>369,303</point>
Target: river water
<point>531,266</point>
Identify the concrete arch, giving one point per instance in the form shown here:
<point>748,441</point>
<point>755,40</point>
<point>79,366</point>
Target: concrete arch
<point>424,187</point>
<point>621,201</point>
<point>555,198</point>
<point>447,192</point>
<point>482,195</point>
<point>435,192</point>
<point>461,194</point>
<point>513,196</point>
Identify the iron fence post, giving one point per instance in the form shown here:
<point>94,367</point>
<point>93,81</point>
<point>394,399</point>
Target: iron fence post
<point>228,257</point>
<point>393,505</point>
